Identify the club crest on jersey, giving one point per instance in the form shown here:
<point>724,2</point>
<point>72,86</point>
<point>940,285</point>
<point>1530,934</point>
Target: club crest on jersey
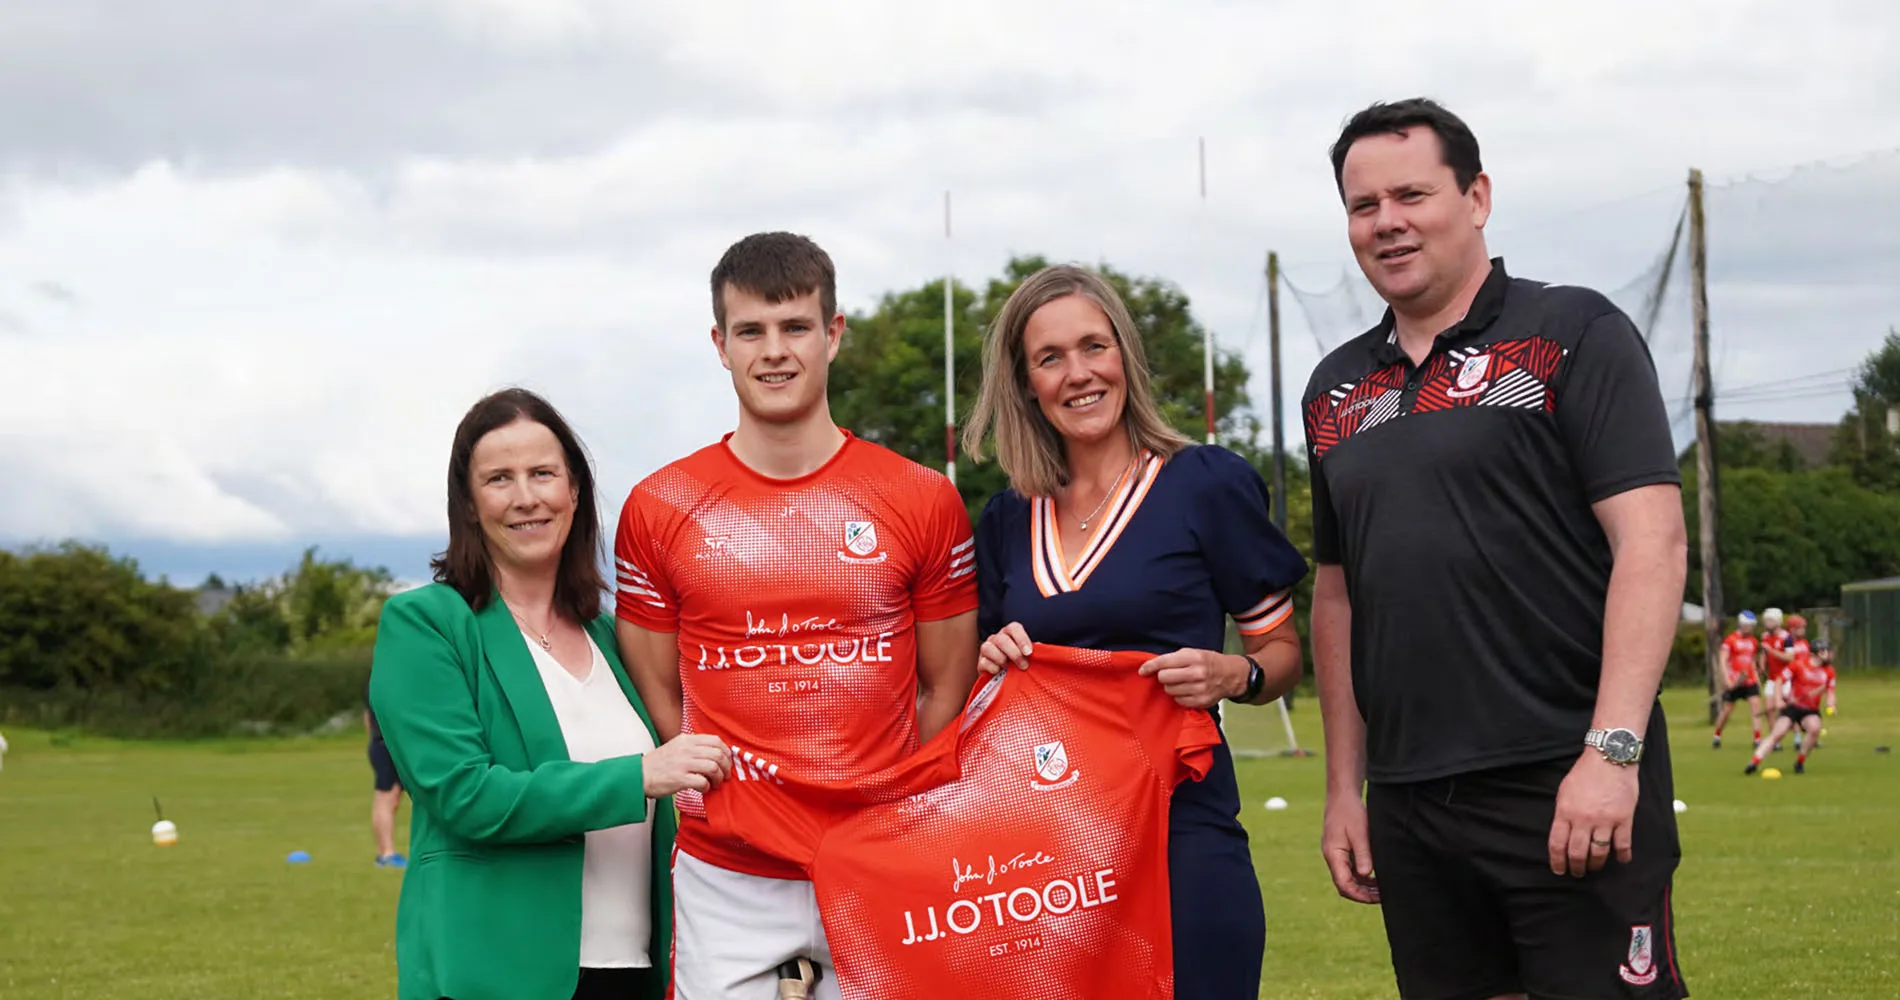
<point>1640,970</point>
<point>860,540</point>
<point>1052,763</point>
<point>1471,377</point>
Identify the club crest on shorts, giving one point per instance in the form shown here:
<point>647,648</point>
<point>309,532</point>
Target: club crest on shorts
<point>1640,970</point>
<point>1052,763</point>
<point>1471,377</point>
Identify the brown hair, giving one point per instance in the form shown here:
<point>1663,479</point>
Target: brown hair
<point>776,266</point>
<point>1028,447</point>
<point>465,566</point>
<point>1456,144</point>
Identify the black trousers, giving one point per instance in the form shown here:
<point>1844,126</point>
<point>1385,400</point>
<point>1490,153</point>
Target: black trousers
<point>612,984</point>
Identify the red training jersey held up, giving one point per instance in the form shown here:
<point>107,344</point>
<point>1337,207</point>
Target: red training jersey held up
<point>796,603</point>
<point>1040,872</point>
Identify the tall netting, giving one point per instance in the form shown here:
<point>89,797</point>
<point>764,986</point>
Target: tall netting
<point>1803,281</point>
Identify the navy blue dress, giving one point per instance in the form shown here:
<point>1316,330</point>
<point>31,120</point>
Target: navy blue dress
<point>1181,547</point>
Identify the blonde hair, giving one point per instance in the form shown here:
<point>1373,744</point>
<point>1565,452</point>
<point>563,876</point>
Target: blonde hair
<point>1028,447</point>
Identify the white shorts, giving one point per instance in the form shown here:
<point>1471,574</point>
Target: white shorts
<point>731,932</point>
<point>1768,689</point>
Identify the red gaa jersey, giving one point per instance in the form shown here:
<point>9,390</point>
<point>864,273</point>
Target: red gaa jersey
<point>1806,680</point>
<point>1041,872</point>
<point>796,603</point>
<point>1738,651</point>
<point>1777,640</point>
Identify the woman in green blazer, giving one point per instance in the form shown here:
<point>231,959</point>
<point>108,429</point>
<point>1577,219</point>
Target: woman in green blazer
<point>542,830</point>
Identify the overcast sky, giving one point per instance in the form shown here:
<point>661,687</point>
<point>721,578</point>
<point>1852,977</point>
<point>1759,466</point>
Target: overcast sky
<point>256,259</point>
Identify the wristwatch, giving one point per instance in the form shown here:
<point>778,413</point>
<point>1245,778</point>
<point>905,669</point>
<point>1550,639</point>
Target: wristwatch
<point>1618,746</point>
<point>1256,679</point>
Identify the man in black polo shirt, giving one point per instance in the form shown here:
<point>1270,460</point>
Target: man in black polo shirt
<point>1498,524</point>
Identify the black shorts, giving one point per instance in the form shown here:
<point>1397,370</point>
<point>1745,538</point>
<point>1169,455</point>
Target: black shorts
<point>1796,714</point>
<point>1472,910</point>
<point>1742,691</point>
<point>384,767</point>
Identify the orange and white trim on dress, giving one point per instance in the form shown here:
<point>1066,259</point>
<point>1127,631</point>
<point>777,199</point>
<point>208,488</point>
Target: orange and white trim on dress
<point>1045,535</point>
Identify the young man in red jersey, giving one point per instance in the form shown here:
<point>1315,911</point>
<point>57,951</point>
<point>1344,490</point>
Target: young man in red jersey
<point>1740,650</point>
<point>1805,683</point>
<point>799,591</point>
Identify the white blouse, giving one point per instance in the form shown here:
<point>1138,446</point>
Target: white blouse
<point>598,723</point>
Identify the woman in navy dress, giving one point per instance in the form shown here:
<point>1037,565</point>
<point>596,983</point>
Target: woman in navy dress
<point>1118,533</point>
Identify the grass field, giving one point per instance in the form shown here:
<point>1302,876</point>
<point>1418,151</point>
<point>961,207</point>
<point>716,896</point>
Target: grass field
<point>1788,888</point>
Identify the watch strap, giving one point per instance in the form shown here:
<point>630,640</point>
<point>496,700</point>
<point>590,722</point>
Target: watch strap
<point>1256,679</point>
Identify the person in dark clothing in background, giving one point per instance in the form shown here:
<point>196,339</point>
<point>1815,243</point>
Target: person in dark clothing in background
<point>382,810</point>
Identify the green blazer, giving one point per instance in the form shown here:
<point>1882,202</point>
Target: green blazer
<point>491,901</point>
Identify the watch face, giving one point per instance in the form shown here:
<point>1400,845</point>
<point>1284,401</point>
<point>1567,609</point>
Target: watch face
<point>1620,744</point>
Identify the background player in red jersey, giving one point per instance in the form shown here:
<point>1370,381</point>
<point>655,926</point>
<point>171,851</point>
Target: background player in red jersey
<point>792,589</point>
<point>1806,683</point>
<point>1740,650</point>
<point>1773,658</point>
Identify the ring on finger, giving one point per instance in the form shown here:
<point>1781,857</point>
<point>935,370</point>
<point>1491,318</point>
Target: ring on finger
<point>1599,843</point>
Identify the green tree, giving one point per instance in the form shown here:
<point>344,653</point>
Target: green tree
<point>1790,539</point>
<point>887,383</point>
<point>1741,445</point>
<point>252,620</point>
<point>1864,443</point>
<point>333,601</point>
<point>321,604</point>
<point>74,618</point>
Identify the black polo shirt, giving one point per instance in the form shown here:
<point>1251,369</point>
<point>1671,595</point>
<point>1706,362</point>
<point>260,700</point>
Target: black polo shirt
<point>1456,496</point>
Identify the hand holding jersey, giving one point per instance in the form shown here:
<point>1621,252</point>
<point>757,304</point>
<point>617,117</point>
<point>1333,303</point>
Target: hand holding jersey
<point>1194,678</point>
<point>1201,678</point>
<point>686,762</point>
<point>1009,645</point>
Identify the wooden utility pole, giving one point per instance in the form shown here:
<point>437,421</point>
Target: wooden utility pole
<point>1705,455</point>
<point>1279,432</point>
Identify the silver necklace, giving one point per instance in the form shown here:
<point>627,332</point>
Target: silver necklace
<point>1084,522</point>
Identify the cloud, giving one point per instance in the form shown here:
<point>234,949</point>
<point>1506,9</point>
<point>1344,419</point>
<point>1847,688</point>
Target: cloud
<point>53,291</point>
<point>108,86</point>
<point>308,237</point>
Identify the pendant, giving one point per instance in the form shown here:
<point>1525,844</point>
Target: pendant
<point>547,645</point>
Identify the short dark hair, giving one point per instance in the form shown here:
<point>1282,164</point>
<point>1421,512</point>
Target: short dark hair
<point>465,566</point>
<point>1459,146</point>
<point>775,266</point>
